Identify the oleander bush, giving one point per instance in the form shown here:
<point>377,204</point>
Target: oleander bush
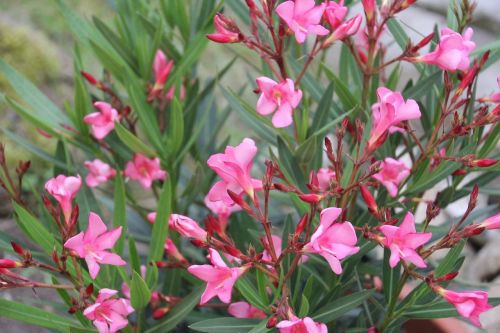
<point>276,192</point>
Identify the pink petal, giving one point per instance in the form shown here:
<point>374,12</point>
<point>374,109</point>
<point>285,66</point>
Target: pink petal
<point>96,227</point>
<point>76,243</point>
<point>283,117</point>
<point>286,11</point>
<point>93,266</point>
<point>108,239</point>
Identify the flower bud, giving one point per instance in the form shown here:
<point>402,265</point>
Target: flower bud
<point>271,323</point>
<point>311,198</point>
<point>485,163</point>
<point>17,248</point>
<point>226,30</point>
<point>422,43</point>
<point>7,263</point>
<point>230,249</point>
<point>459,172</point>
<point>160,312</point>
<point>89,290</point>
<point>90,79</point>
<point>446,277</point>
<point>301,225</point>
<point>369,200</point>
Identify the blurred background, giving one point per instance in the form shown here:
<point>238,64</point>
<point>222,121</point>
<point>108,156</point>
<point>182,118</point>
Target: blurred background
<point>35,40</point>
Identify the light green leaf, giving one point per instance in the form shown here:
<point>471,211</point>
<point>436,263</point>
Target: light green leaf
<point>341,306</point>
<point>224,325</point>
<point>139,292</point>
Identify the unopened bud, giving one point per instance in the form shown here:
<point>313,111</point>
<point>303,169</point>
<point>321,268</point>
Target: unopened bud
<point>161,312</point>
<point>17,248</point>
<point>485,163</point>
<point>230,249</point>
<point>369,200</point>
<point>473,198</point>
<point>90,79</point>
<point>301,225</point>
<point>459,172</point>
<point>7,263</point>
<point>447,277</point>
<point>199,243</point>
<point>89,290</point>
<point>422,43</point>
<point>432,211</point>
<point>271,323</point>
<point>311,198</point>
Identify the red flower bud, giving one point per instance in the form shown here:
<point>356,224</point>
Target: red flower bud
<point>485,163</point>
<point>369,200</point>
<point>161,312</point>
<point>199,243</point>
<point>7,263</point>
<point>271,323</point>
<point>17,248</point>
<point>230,249</point>
<point>422,43</point>
<point>311,198</point>
<point>89,290</point>
<point>282,188</point>
<point>90,79</point>
<point>161,264</point>
<point>459,172</point>
<point>446,277</point>
<point>301,225</point>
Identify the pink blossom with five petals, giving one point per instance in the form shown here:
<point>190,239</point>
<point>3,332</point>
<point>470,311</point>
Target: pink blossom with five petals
<point>301,325</point>
<point>64,190</point>
<point>392,172</point>
<point>108,314</point>
<point>102,122</point>
<point>245,310</point>
<point>219,277</point>
<point>452,52</point>
<point>403,241</point>
<point>99,173</point>
<point>234,167</point>
<point>145,170</point>
<point>325,178</point>
<point>390,111</point>
<point>469,304</point>
<point>333,240</point>
<point>335,13</point>
<point>303,18</point>
<point>282,96</point>
<point>93,243</point>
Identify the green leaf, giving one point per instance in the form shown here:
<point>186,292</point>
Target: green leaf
<point>390,278</point>
<point>139,292</point>
<point>440,309</point>
<point>450,260</point>
<point>81,330</point>
<point>120,211</point>
<point>249,292</point>
<point>133,142</point>
<point>224,325</point>
<point>427,180</point>
<point>160,229</point>
<point>401,38</point>
<point>341,306</point>
<point>322,112</point>
<point>34,229</point>
<point>179,312</point>
<point>34,316</point>
<point>289,164</point>
<point>304,307</point>
<point>348,100</point>
<point>176,127</point>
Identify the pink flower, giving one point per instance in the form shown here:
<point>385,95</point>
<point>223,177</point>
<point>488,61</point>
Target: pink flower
<point>325,177</point>
<point>222,210</point>
<point>490,223</point>
<point>392,172</point>
<point>303,18</point>
<point>102,122</point>
<point>184,225</point>
<point>390,111</point>
<point>161,69</point>
<point>145,170</point>
<point>335,13</point>
<point>227,30</point>
<point>333,241</point>
<point>173,251</point>
<point>245,310</point>
<point>187,227</point>
<point>64,190</point>
<point>220,278</point>
<point>453,51</point>
<point>99,172</point>
<point>304,325</point>
<point>469,304</point>
<point>234,168</point>
<point>92,245</point>
<point>344,30</point>
<point>403,242</point>
<point>109,314</point>
<point>282,96</point>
